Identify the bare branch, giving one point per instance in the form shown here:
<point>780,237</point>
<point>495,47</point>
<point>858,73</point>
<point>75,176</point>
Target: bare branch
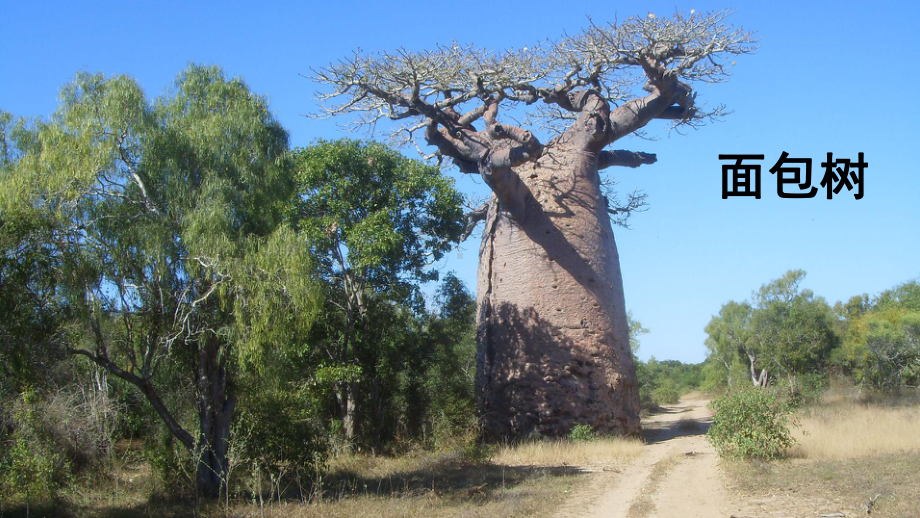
<point>525,146</point>
<point>447,89</point>
<point>623,158</point>
<point>473,218</point>
<point>620,212</point>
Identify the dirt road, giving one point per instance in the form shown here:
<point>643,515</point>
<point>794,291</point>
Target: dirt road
<point>677,475</point>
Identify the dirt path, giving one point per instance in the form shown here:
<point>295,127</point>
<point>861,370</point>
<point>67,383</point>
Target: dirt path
<point>677,475</point>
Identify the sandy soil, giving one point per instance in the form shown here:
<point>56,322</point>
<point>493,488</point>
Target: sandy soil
<point>677,475</point>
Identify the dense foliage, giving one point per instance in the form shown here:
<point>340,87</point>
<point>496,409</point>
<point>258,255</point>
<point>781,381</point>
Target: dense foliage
<point>772,354</point>
<point>750,423</point>
<point>173,272</point>
<point>786,334</point>
<point>376,221</point>
<point>664,382</point>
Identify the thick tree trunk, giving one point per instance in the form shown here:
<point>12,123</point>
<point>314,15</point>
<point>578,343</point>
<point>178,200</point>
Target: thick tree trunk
<point>553,344</point>
<point>215,413</point>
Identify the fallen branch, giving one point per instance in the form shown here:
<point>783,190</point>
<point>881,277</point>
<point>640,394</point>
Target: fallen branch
<point>871,503</point>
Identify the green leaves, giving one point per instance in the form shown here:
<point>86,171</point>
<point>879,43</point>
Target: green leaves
<point>786,330</point>
<point>750,423</point>
<point>277,297</point>
<point>164,221</point>
<point>389,216</point>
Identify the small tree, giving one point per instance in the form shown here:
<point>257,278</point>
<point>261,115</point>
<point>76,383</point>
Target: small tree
<point>729,341</point>
<point>786,331</point>
<point>792,328</point>
<point>880,344</point>
<point>377,221</point>
<point>894,350</point>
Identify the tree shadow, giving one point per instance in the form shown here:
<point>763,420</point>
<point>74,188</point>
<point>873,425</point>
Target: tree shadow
<point>686,427</point>
<point>449,477</point>
<point>536,381</point>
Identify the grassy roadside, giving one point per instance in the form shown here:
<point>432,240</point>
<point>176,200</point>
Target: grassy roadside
<point>527,479</point>
<point>848,452</point>
<point>800,487</point>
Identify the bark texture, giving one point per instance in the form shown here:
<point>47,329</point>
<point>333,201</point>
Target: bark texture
<point>215,413</point>
<point>553,344</point>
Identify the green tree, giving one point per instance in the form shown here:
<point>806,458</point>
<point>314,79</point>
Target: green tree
<point>449,381</point>
<point>729,341</point>
<point>377,221</point>
<point>905,296</point>
<point>166,220</point>
<point>787,331</point>
<point>31,327</point>
<point>880,342</point>
<point>792,328</point>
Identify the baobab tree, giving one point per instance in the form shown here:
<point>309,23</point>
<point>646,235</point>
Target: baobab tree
<point>553,346</point>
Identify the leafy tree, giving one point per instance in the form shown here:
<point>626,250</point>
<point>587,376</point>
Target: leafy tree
<point>377,221</point>
<point>166,220</point>
<point>793,330</point>
<point>665,381</point>
<point>451,367</point>
<point>880,342</point>
<point>905,296</point>
<point>729,340</point>
<point>894,350</point>
<point>786,331</point>
<point>548,211</point>
<point>31,327</point>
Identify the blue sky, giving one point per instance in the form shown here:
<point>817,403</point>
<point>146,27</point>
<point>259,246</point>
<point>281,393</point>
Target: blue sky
<point>828,77</point>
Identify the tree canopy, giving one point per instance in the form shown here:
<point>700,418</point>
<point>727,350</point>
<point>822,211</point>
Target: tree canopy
<point>442,93</point>
<point>786,331</point>
<point>378,222</point>
<point>166,218</point>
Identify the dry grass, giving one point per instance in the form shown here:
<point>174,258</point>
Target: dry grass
<point>850,430</point>
<point>529,479</point>
<point>849,451</point>
<point>539,494</point>
<point>798,487</point>
<point>443,484</point>
<point>605,452</point>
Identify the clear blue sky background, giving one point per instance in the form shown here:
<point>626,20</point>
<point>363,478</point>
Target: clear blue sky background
<point>829,76</point>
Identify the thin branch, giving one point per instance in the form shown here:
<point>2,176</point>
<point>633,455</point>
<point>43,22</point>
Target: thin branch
<point>473,218</point>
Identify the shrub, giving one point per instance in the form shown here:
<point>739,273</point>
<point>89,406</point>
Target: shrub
<point>750,423</point>
<point>31,465</point>
<point>667,393</point>
<point>582,433</point>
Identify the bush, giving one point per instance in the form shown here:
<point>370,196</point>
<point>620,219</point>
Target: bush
<point>667,393</point>
<point>582,433</point>
<point>750,423</point>
<point>32,469</point>
<point>807,389</point>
